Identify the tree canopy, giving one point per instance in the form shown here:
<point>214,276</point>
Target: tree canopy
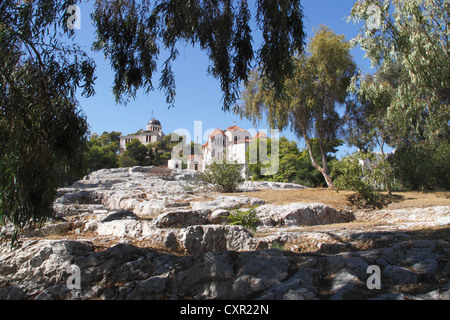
<point>133,34</point>
<point>312,96</point>
<point>42,130</point>
<point>415,36</point>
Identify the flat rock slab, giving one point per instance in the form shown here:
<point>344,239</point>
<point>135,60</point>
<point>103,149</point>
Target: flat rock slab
<point>300,214</point>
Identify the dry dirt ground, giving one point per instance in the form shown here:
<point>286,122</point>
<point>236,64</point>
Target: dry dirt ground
<point>347,199</point>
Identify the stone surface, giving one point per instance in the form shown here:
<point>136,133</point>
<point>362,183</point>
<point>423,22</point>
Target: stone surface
<point>205,238</point>
<point>40,269</point>
<point>139,236</point>
<point>182,218</point>
<point>297,214</point>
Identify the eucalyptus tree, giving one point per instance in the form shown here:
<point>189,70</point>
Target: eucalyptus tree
<point>42,130</point>
<point>414,34</point>
<point>132,35</point>
<point>312,97</point>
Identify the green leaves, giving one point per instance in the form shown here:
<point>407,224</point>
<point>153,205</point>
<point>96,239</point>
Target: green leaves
<point>132,34</point>
<point>312,96</point>
<point>363,173</point>
<point>42,131</point>
<point>226,177</point>
<point>244,217</point>
<point>414,34</point>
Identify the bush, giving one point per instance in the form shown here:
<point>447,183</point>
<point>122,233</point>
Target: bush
<point>364,179</point>
<point>423,165</point>
<point>163,173</point>
<point>127,161</point>
<point>226,177</point>
<point>245,218</point>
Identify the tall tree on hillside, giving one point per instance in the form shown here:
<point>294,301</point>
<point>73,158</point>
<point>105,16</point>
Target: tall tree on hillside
<point>370,126</point>
<point>132,33</point>
<point>312,96</point>
<point>305,173</point>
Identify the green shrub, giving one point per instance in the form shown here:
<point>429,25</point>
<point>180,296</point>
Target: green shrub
<point>245,218</point>
<point>350,174</point>
<point>226,177</point>
<point>424,165</point>
<point>127,161</point>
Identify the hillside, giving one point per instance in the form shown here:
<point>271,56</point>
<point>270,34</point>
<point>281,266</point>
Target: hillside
<point>138,233</point>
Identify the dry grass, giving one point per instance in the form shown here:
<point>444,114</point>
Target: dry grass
<point>417,199</point>
<point>346,199</point>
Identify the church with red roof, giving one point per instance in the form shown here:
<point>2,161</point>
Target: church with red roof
<point>224,146</point>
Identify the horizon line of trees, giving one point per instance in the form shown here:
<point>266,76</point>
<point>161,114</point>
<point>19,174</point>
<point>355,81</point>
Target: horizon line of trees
<point>102,152</point>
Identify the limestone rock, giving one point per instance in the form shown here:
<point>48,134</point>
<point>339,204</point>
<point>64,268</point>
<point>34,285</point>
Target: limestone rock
<point>226,202</point>
<point>39,269</point>
<point>219,216</point>
<point>204,238</point>
<point>182,218</point>
<point>399,275</point>
<point>297,214</point>
<point>120,215</point>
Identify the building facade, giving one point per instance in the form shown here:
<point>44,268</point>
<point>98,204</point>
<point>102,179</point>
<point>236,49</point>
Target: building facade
<point>153,133</point>
<point>223,146</point>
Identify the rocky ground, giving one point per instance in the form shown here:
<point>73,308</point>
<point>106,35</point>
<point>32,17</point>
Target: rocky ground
<point>137,233</point>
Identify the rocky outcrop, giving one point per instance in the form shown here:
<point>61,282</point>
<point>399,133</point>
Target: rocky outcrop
<point>205,238</point>
<point>430,216</point>
<point>299,214</point>
<point>44,269</point>
<point>258,185</point>
<point>226,202</point>
<point>141,236</point>
<point>182,218</point>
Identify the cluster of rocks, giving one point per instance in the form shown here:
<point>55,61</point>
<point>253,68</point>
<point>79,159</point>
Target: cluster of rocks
<point>177,214</point>
<point>43,269</point>
<point>132,213</point>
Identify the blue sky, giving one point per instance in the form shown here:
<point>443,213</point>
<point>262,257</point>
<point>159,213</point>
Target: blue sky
<point>198,95</point>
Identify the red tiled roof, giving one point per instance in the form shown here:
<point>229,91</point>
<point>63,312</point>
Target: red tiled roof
<point>216,132</point>
<point>234,128</point>
<point>260,135</point>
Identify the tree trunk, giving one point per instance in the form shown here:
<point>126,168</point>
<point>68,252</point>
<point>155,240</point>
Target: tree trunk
<point>386,180</point>
<point>326,172</point>
<point>323,171</point>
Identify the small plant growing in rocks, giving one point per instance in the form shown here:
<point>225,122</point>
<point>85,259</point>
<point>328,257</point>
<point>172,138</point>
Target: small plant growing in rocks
<point>163,173</point>
<point>245,218</point>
